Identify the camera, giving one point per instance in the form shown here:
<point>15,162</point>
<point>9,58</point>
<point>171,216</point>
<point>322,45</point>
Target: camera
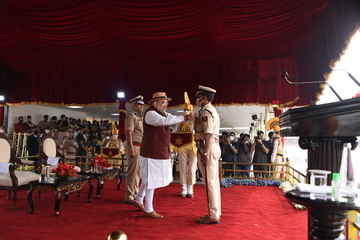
<point>259,134</point>
<point>224,136</point>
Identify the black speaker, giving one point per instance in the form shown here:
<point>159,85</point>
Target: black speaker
<point>252,124</point>
<point>254,117</point>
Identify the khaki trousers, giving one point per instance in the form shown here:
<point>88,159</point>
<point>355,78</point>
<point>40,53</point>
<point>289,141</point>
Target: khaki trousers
<point>213,184</point>
<point>278,160</point>
<point>132,174</point>
<point>187,167</point>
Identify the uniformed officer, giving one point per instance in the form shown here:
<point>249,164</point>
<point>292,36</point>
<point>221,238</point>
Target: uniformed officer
<point>187,154</point>
<point>69,145</point>
<point>134,135</point>
<point>206,134</point>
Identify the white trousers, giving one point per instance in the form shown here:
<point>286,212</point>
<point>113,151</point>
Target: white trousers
<point>155,173</point>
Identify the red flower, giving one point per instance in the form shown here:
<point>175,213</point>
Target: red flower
<point>357,95</point>
<point>65,169</point>
<point>100,161</point>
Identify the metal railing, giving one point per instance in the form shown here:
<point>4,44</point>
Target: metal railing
<point>290,174</point>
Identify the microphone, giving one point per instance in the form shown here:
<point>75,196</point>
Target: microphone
<point>286,75</point>
<point>353,78</point>
<point>349,74</point>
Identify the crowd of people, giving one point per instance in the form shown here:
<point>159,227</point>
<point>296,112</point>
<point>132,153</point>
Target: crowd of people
<point>258,150</point>
<point>74,137</point>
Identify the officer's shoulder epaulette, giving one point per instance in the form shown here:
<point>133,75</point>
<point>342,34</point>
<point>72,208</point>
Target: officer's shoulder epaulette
<point>208,111</point>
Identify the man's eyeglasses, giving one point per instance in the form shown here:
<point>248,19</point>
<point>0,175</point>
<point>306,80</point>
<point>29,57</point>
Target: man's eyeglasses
<point>164,103</point>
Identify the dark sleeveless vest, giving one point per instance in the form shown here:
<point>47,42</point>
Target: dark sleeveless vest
<point>156,140</point>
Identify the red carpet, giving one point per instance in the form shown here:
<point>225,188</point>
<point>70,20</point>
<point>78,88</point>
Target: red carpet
<point>249,212</point>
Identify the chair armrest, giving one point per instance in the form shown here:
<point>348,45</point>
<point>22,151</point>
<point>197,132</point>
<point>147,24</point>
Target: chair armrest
<point>61,156</point>
<point>13,176</point>
<point>14,159</point>
<point>37,167</point>
<point>27,162</point>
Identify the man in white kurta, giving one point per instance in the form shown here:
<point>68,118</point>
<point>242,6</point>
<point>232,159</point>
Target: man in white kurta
<point>155,163</point>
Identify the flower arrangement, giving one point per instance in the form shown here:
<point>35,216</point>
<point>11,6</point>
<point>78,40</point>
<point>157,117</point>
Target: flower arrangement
<point>100,161</point>
<point>65,170</point>
<point>287,186</point>
<point>229,181</point>
<point>27,167</point>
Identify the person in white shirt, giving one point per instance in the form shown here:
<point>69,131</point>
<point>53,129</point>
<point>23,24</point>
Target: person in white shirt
<point>155,163</point>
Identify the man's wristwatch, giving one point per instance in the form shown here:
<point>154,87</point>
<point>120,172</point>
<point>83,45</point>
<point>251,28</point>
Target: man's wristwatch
<point>206,154</point>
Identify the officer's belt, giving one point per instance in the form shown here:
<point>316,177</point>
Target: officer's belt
<point>137,144</point>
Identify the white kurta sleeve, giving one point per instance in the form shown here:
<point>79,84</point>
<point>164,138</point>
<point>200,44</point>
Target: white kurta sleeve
<point>155,119</point>
<point>274,150</point>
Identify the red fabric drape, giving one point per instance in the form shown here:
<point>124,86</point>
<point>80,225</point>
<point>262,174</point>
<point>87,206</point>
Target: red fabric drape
<point>84,51</point>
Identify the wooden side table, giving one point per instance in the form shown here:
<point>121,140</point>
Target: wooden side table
<point>66,186</point>
<point>103,175</point>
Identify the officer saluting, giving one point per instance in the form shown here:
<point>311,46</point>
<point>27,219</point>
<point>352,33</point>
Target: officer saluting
<point>206,134</point>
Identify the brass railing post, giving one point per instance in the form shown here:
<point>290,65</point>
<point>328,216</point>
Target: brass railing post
<point>352,226</point>
<point>287,175</point>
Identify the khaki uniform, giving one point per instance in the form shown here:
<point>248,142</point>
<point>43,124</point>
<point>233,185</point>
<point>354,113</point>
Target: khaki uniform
<point>53,125</point>
<point>208,122</point>
<point>70,145</point>
<point>187,157</point>
<point>43,125</point>
<point>134,123</point>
